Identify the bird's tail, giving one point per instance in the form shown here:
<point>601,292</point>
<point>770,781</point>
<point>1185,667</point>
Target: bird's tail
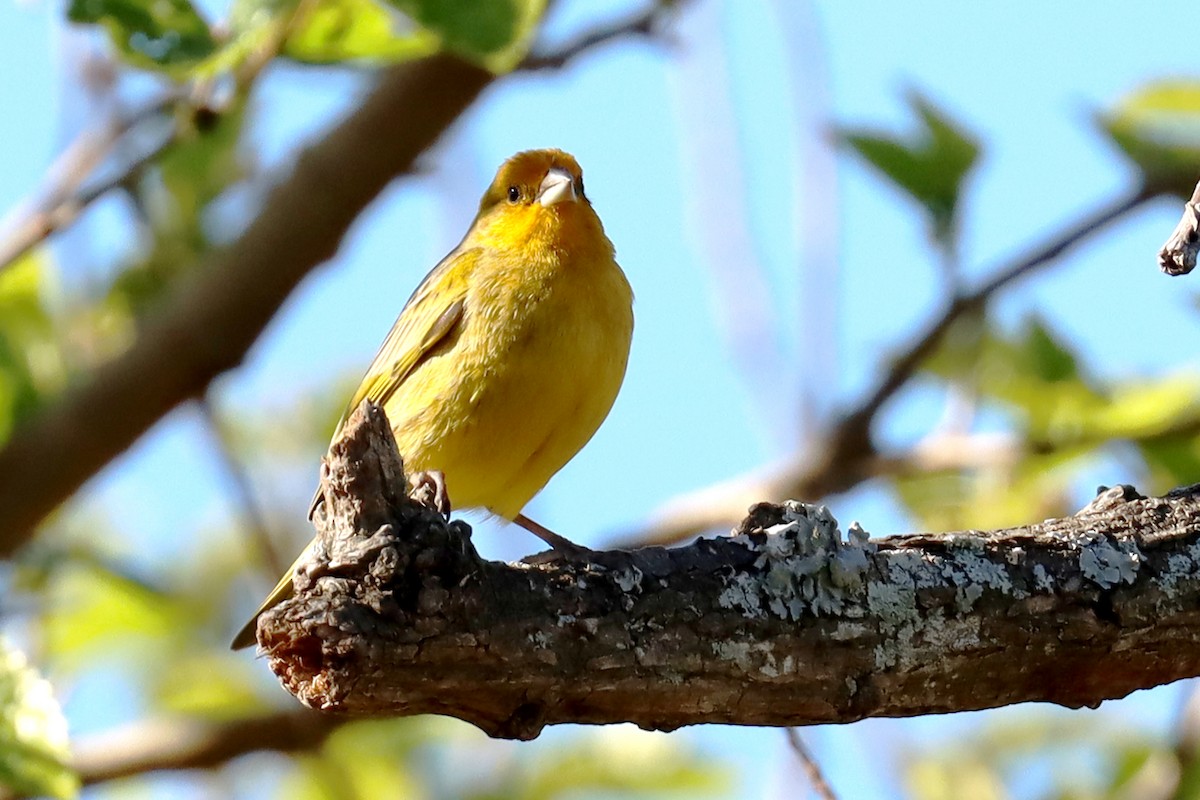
<point>282,591</point>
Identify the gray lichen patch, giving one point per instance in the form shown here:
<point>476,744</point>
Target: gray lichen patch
<point>1041,579</point>
<point>804,566</point>
<point>1180,567</point>
<point>629,579</point>
<point>892,603</point>
<point>972,573</point>
<point>741,593</point>
<point>756,658</point>
<point>1108,564</point>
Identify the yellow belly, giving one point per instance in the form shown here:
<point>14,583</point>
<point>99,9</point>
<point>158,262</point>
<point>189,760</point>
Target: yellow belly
<point>519,392</point>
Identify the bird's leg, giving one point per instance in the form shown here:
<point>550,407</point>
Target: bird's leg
<point>429,489</point>
<point>560,544</point>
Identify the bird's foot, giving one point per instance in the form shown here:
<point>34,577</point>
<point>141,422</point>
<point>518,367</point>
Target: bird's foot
<point>429,489</point>
<point>563,548</point>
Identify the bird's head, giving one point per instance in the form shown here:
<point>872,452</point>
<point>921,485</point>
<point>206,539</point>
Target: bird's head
<point>537,199</point>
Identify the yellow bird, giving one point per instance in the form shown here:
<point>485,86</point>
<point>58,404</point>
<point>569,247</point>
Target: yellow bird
<point>509,355</point>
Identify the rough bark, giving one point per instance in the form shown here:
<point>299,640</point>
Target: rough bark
<point>787,622</point>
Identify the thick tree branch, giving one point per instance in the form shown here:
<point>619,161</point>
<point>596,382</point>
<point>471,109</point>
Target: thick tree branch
<point>786,623</point>
<point>210,323</point>
<point>65,196</point>
<point>847,455</point>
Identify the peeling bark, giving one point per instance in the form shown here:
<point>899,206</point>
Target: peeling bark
<point>786,622</point>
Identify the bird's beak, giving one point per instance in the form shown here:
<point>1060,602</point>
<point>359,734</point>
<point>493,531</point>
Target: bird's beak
<point>557,187</point>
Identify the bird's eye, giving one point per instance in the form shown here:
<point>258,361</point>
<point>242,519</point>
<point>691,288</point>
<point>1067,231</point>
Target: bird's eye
<point>514,194</point>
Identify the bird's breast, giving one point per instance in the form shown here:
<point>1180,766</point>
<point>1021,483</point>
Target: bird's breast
<point>543,353</point>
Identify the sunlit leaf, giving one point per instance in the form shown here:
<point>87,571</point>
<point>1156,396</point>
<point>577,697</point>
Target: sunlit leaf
<point>156,34</point>
<point>621,760</point>
<point>945,779</point>
<point>34,753</point>
<point>1158,129</point>
<point>1173,461</point>
<point>96,607</point>
<point>495,33</point>
<point>211,684</point>
<point>372,758</point>
<point>1031,371</point>
<point>1149,408</point>
<point>929,166</point>
<point>1094,756</point>
<point>1032,487</point>
<point>1061,421</point>
<point>336,31</point>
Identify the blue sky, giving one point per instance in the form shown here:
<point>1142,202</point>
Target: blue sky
<point>706,159</point>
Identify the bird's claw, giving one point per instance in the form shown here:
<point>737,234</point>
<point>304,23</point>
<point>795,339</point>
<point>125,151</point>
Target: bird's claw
<point>429,489</point>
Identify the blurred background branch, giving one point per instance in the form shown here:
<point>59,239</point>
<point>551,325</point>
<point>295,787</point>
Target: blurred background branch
<point>179,744</point>
<point>847,452</point>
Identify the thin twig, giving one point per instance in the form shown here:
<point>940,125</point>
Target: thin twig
<point>811,768</point>
<point>644,24</point>
<point>906,365</point>
<point>1178,255</point>
<point>252,516</point>
<point>67,197</point>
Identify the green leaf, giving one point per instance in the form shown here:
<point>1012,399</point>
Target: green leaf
<point>34,752</point>
<point>1188,787</point>
<point>929,166</point>
<point>203,162</point>
<point>168,35</point>
<point>31,362</point>
<point>494,33</point>
<point>1148,409</point>
<point>992,496</point>
<point>1030,371</point>
<point>1174,461</point>
<point>946,779</point>
<point>621,761</point>
<point>355,30</point>
<point>209,684</point>
<point>100,611</point>
<point>362,32</point>
<point>1158,129</point>
<point>1048,358</point>
<point>959,354</point>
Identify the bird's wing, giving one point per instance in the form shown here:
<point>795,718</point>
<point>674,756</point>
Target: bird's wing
<point>431,314</point>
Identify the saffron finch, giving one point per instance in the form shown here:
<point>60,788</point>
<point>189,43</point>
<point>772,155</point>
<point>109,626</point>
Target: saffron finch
<point>511,351</point>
